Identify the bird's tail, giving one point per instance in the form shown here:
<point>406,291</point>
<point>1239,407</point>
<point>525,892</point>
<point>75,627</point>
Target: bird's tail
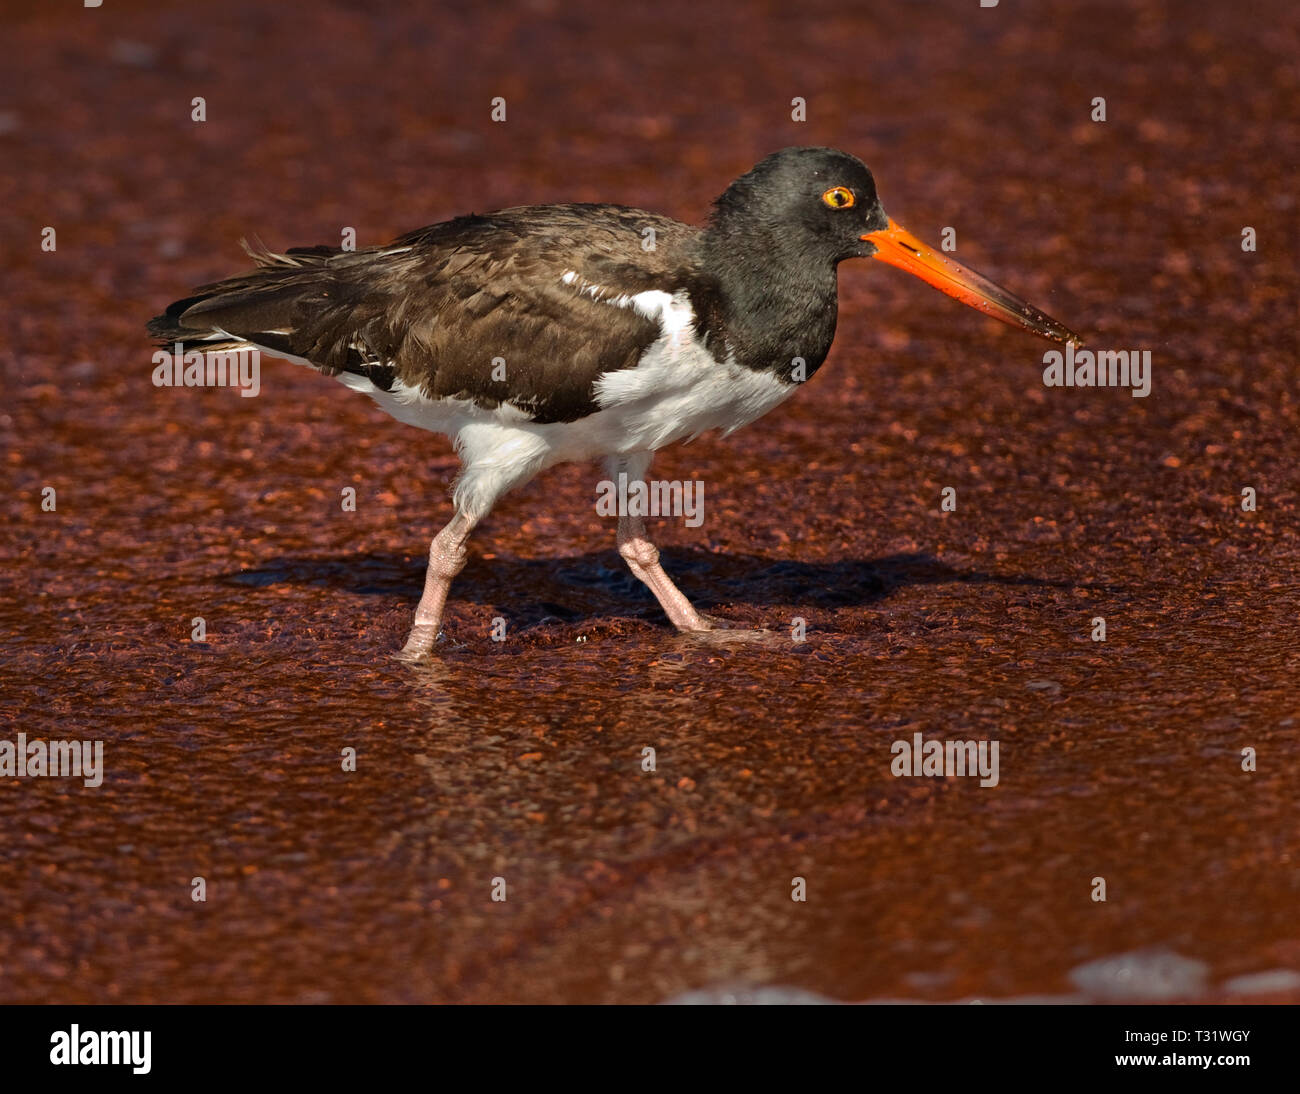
<point>263,307</point>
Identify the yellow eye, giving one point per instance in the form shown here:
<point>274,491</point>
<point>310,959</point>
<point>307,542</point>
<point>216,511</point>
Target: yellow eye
<point>838,197</point>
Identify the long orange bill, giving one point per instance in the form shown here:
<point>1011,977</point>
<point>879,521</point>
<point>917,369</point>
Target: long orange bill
<point>900,248</point>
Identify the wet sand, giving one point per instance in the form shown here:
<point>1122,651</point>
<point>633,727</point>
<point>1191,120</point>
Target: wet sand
<point>522,759</point>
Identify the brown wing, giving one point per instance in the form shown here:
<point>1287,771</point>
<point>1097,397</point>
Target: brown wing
<point>441,307</point>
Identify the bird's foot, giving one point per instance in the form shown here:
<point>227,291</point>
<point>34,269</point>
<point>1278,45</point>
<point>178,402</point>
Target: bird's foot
<point>715,630</point>
<point>696,623</point>
<point>419,643</point>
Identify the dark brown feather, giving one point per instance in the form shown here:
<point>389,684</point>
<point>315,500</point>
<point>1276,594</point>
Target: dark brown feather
<point>437,306</point>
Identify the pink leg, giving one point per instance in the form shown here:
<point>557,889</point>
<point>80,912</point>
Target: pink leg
<point>446,560</point>
<point>642,558</point>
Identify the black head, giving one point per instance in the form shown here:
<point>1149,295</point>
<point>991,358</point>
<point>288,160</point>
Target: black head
<point>817,201</point>
<point>779,231</point>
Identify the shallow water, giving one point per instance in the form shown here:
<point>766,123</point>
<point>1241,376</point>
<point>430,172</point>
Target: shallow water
<point>523,759</point>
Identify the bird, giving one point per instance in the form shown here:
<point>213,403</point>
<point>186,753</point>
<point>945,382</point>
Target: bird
<point>544,334</point>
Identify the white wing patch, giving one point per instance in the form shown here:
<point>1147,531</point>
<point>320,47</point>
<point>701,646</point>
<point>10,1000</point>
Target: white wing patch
<point>678,389</point>
<point>596,292</point>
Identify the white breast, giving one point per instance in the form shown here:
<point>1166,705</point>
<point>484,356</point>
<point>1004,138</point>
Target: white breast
<point>677,391</point>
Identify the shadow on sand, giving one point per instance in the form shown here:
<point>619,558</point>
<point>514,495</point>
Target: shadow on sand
<point>597,582</point>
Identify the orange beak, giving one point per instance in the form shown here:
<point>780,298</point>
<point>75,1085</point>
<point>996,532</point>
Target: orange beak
<point>900,248</point>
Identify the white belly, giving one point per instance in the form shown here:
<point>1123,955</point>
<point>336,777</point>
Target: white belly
<point>677,391</point>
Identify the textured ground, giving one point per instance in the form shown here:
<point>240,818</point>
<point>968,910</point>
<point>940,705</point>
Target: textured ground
<point>521,759</point>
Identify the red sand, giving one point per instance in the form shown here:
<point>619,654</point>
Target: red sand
<point>522,759</point>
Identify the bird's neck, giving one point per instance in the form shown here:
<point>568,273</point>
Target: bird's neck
<point>777,303</point>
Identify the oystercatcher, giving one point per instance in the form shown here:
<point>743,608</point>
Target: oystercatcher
<point>547,333</point>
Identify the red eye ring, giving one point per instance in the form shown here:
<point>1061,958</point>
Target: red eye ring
<point>839,197</point>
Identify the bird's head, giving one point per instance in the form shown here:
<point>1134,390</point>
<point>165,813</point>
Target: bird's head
<point>821,205</point>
